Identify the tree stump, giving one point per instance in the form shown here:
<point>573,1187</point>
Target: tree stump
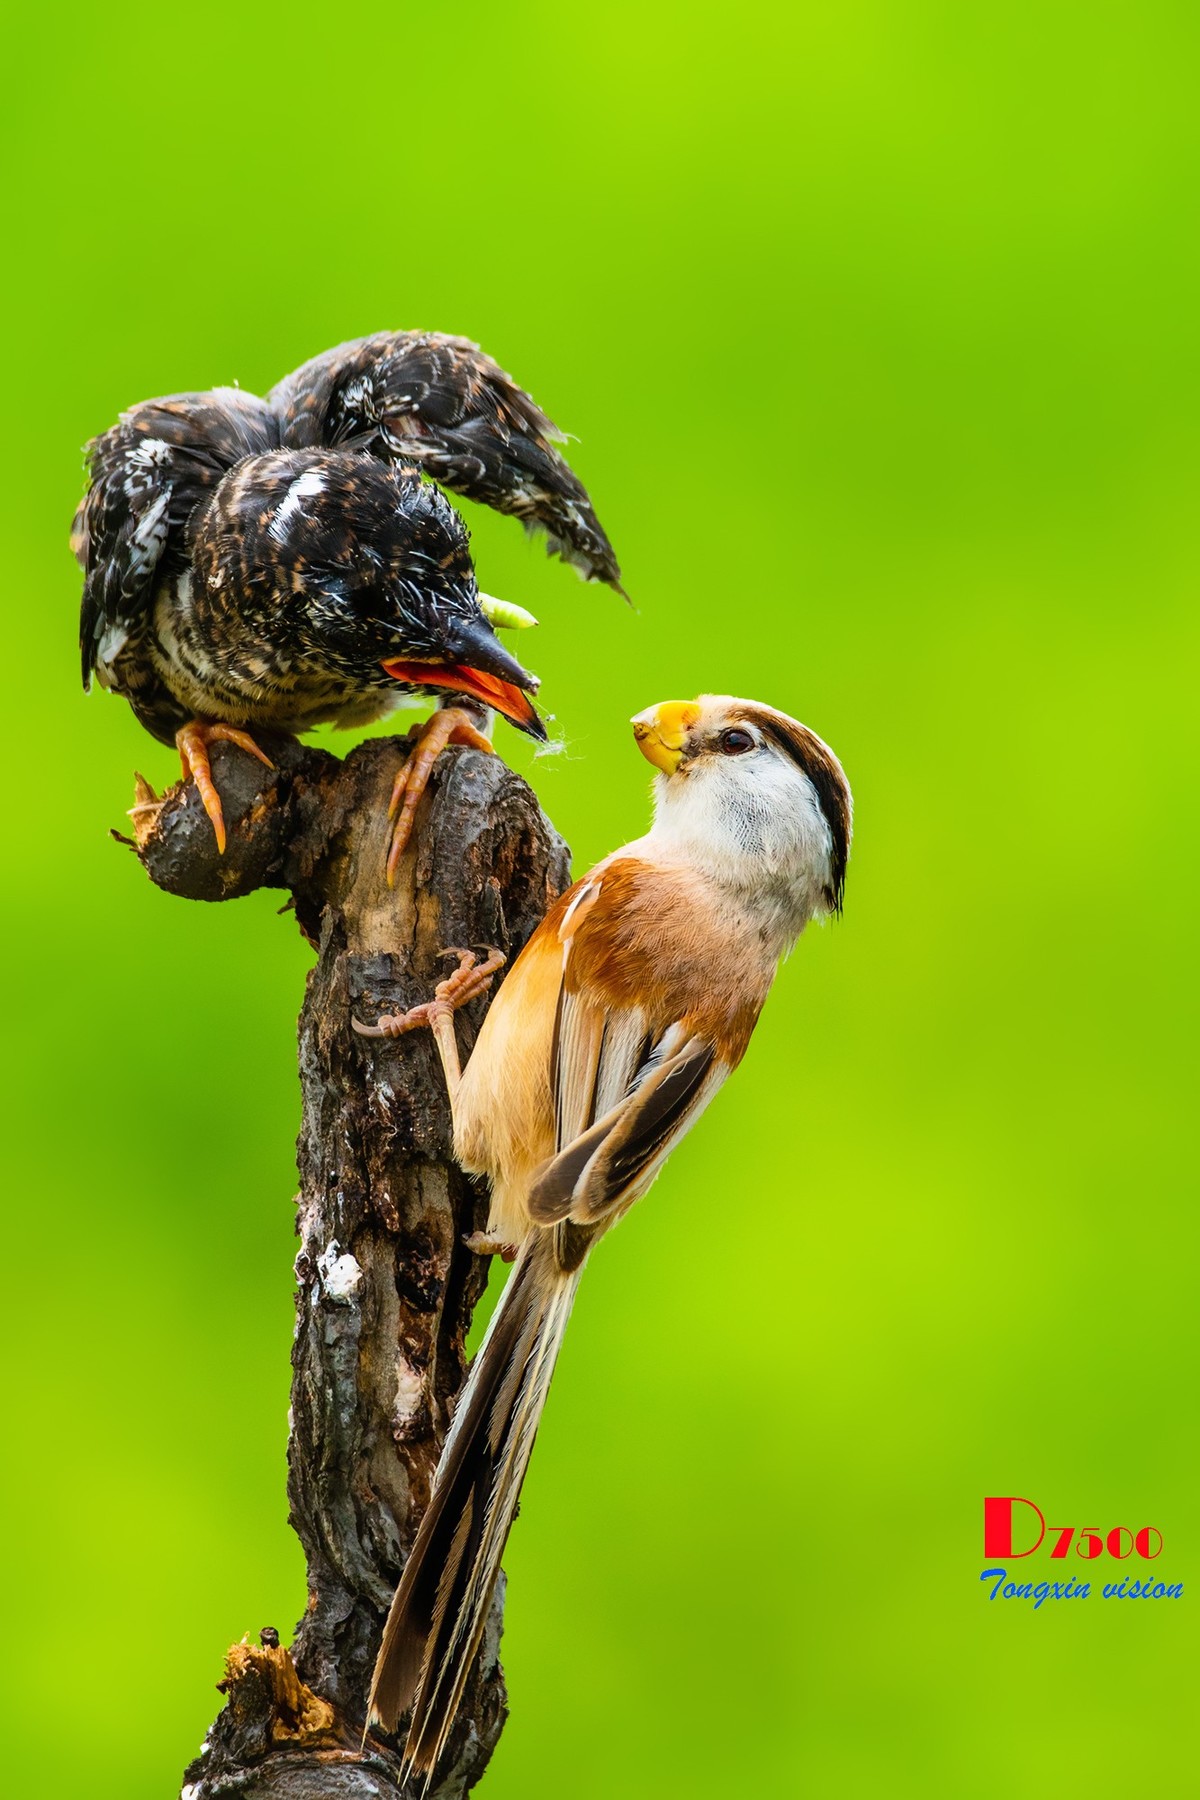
<point>386,1286</point>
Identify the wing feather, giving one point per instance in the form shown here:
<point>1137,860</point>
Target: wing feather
<point>420,397</point>
<point>147,477</point>
<point>598,1051</point>
<point>626,1084</point>
<point>610,1165</point>
<point>580,1041</point>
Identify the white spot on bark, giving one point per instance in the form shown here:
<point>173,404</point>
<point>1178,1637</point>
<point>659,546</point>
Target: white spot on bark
<point>340,1275</point>
<point>409,1392</point>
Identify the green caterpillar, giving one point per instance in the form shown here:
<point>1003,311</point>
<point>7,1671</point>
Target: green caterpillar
<point>504,615</point>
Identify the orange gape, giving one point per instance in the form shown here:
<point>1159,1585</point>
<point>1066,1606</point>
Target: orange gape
<point>502,696</point>
<point>628,1008</point>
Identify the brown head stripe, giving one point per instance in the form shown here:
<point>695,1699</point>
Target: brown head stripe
<point>833,794</point>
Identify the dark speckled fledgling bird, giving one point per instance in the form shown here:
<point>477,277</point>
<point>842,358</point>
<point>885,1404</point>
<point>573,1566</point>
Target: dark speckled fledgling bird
<point>278,564</point>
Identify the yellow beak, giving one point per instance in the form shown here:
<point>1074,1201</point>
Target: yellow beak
<point>661,732</point>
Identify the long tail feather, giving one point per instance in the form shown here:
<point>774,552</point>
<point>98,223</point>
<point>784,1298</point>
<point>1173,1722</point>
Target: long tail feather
<point>438,1615</point>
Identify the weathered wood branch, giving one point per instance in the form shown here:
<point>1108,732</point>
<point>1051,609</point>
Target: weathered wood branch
<point>386,1286</point>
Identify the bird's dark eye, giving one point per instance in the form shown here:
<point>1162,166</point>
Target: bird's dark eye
<point>735,742</point>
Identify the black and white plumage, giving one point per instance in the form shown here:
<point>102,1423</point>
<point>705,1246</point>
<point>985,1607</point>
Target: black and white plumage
<point>148,476</point>
<point>278,563</point>
<point>438,403</point>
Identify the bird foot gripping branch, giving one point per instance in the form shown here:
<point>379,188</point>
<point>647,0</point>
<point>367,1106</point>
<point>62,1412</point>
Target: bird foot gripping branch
<point>449,725</point>
<point>192,741</point>
<point>471,979</point>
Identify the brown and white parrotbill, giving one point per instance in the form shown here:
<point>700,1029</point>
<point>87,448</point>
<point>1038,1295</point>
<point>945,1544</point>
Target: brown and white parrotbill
<point>274,564</point>
<point>629,1006</point>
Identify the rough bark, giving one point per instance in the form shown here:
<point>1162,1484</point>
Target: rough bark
<point>386,1286</point>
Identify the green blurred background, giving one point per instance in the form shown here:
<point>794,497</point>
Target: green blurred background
<point>877,326</point>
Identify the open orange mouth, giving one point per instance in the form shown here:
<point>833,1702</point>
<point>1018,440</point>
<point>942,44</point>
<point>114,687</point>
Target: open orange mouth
<point>489,690</point>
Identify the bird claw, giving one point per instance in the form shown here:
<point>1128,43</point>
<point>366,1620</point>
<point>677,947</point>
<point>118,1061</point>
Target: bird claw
<point>192,742</point>
<point>449,725</point>
<point>394,1025</point>
<point>471,979</point>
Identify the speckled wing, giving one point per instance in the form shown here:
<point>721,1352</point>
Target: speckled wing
<point>147,477</point>
<point>438,403</point>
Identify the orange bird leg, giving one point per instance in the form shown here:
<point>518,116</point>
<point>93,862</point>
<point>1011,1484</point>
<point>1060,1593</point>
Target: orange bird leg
<point>469,980</point>
<point>449,725</point>
<point>192,742</point>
